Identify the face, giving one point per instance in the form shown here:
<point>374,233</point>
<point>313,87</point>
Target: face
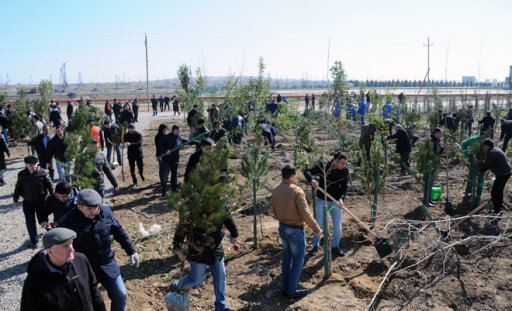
<point>108,125</point>
<point>206,148</point>
<point>89,211</point>
<point>63,197</point>
<point>340,164</point>
<point>487,148</point>
<point>200,126</point>
<point>438,135</point>
<point>131,130</point>
<point>61,253</point>
<point>60,133</point>
<point>164,131</point>
<point>195,108</point>
<point>31,167</point>
<point>177,131</point>
<point>46,130</point>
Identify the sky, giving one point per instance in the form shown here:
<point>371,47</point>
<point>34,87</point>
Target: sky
<point>373,39</point>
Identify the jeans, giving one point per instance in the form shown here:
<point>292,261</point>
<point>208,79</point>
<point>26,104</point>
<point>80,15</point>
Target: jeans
<point>116,291</point>
<point>196,277</point>
<point>497,191</point>
<point>336,215</point>
<point>30,210</point>
<point>165,168</point>
<point>62,172</point>
<point>294,248</point>
<point>118,153</point>
<point>4,132</point>
<point>2,172</point>
<point>140,165</point>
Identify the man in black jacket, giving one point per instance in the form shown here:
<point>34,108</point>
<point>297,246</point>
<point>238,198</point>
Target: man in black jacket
<point>102,167</point>
<point>133,140</point>
<point>109,131</point>
<point>207,145</point>
<point>166,101</point>
<point>58,204</point>
<point>191,118</point>
<point>200,129</point>
<point>435,137</point>
<point>161,102</point>
<point>69,111</point>
<point>487,124</point>
<point>6,124</point>
<point>366,139</point>
<point>497,162</point>
<point>55,116</point>
<point>60,278</point>
<point>175,105</point>
<point>57,149</point>
<point>471,119</point>
<point>94,224</point>
<point>169,161</point>
<point>117,110</point>
<point>135,108</point>
<point>33,185</point>
<point>403,147</point>
<point>506,132</point>
<point>41,143</point>
<point>336,173</point>
<point>126,115</point>
<point>154,105</point>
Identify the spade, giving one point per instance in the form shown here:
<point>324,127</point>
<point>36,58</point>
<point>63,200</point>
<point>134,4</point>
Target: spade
<point>446,233</point>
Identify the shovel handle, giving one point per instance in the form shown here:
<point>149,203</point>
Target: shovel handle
<point>473,212</point>
<point>365,227</point>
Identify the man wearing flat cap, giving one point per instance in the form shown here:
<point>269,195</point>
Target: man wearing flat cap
<point>60,278</point>
<point>33,185</point>
<point>93,223</point>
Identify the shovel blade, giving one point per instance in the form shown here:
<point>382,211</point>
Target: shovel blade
<point>383,247</point>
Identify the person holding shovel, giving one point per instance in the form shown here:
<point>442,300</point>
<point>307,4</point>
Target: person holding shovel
<point>403,147</point>
<point>291,209</point>
<point>335,173</point>
<point>497,162</point>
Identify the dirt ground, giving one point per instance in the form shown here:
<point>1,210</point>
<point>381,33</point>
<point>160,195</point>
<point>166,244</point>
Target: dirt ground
<point>458,279</point>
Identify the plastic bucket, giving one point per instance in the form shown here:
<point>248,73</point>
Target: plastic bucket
<point>437,190</point>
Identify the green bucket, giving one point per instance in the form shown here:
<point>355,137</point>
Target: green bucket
<point>437,190</point>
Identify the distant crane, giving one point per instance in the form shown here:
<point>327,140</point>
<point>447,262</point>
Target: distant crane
<point>80,82</point>
<point>63,80</point>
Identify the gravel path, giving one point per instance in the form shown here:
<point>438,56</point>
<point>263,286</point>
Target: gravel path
<point>14,254</point>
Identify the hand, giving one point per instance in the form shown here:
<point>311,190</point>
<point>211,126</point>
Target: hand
<point>234,240</point>
<point>116,188</point>
<point>320,233</point>
<point>43,224</point>
<point>314,183</point>
<point>102,148</point>
<point>48,165</point>
<point>127,144</point>
<point>340,204</point>
<point>181,256</point>
<point>15,204</point>
<point>168,152</point>
<point>134,260</point>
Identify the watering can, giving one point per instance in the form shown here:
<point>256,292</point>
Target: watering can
<point>437,190</point>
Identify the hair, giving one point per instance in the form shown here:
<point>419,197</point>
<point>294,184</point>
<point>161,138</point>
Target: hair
<point>161,128</point>
<point>63,188</point>
<point>488,113</point>
<point>196,106</point>
<point>35,116</point>
<point>288,171</point>
<point>339,156</point>
<point>207,142</point>
<point>46,125</point>
<point>437,130</point>
<point>200,121</point>
<point>488,142</point>
<point>175,127</point>
<point>59,128</point>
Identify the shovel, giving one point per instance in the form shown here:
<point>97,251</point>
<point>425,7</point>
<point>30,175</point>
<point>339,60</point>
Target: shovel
<point>448,206</point>
<point>381,245</point>
<point>446,233</point>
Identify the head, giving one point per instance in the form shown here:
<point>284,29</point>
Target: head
<point>438,133</point>
<point>488,114</point>
<point>176,130</point>
<point>63,191</point>
<point>339,160</point>
<point>196,107</point>
<point>213,106</point>
<point>59,132</point>
<point>131,128</point>
<point>107,124</point>
<point>207,145</point>
<point>470,107</point>
<point>31,163</point>
<point>200,123</point>
<point>398,127</point>
<point>162,129</point>
<point>58,244</point>
<point>502,120</point>
<point>35,117</point>
<point>288,172</point>
<point>89,202</point>
<point>488,144</point>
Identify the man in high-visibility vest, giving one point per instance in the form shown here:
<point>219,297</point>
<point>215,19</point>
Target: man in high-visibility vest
<point>96,133</point>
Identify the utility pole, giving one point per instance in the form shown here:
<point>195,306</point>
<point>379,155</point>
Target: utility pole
<point>328,55</point>
<point>147,72</point>
<point>428,68</point>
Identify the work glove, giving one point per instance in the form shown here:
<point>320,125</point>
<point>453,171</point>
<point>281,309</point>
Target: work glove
<point>134,260</point>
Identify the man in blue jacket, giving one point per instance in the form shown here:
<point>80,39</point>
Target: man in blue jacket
<point>362,109</point>
<point>94,222</point>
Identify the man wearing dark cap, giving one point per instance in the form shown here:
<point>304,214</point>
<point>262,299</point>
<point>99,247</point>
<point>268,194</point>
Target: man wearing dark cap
<point>94,223</point>
<point>133,140</point>
<point>60,278</point>
<point>109,132</point>
<point>33,185</point>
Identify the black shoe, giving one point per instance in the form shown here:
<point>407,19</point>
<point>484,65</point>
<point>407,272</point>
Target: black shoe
<point>143,178</point>
<point>432,203</point>
<point>298,294</point>
<point>2,182</point>
<point>33,245</point>
<point>337,251</point>
<point>314,250</point>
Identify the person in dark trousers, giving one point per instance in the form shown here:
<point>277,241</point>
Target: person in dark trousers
<point>403,147</point>
<point>6,124</point>
<point>154,105</point>
<point>313,98</point>
<point>57,149</point>
<point>166,103</point>
<point>94,224</point>
<point>218,132</point>
<point>506,132</point>
<point>449,122</point>
<point>135,108</point>
<point>3,149</point>
<point>366,139</point>
<point>471,120</point>
<point>108,110</point>
<point>214,115</point>
<point>133,140</point>
<point>206,145</point>
<point>209,255</point>
<point>58,278</point>
<point>191,118</point>
<point>69,111</point>
<point>306,100</point>
<point>117,110</point>
<point>236,128</point>
<point>175,105</point>
<point>497,162</point>
<point>336,173</point>
<point>58,204</point>
<point>33,185</point>
<point>169,162</point>
<point>162,130</point>
<point>290,207</point>
<point>269,133</point>
<point>279,98</point>
<point>161,102</point>
<point>487,124</point>
<point>102,168</point>
<point>109,131</point>
<point>127,115</point>
<point>200,129</point>
<point>55,117</point>
<point>509,114</point>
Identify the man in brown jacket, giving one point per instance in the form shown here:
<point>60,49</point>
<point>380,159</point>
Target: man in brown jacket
<point>291,209</point>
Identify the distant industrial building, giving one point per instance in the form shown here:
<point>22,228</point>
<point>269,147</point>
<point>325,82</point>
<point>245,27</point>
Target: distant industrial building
<point>468,80</point>
<point>508,80</point>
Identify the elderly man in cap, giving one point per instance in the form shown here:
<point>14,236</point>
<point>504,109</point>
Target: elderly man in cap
<point>33,185</point>
<point>60,279</point>
<point>94,223</point>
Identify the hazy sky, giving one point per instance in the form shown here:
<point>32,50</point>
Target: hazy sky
<point>374,39</point>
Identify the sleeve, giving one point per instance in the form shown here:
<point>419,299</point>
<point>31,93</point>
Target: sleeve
<point>315,170</point>
<point>17,190</point>
<point>108,171</point>
<point>179,237</point>
<point>30,300</point>
<point>102,139</point>
<point>486,164</point>
<point>48,184</point>
<point>97,300</point>
<point>5,147</point>
<point>44,211</point>
<point>121,236</point>
<point>394,136</point>
<point>503,130</point>
<point>230,225</point>
<point>304,212</point>
<point>138,140</point>
<point>190,165</point>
